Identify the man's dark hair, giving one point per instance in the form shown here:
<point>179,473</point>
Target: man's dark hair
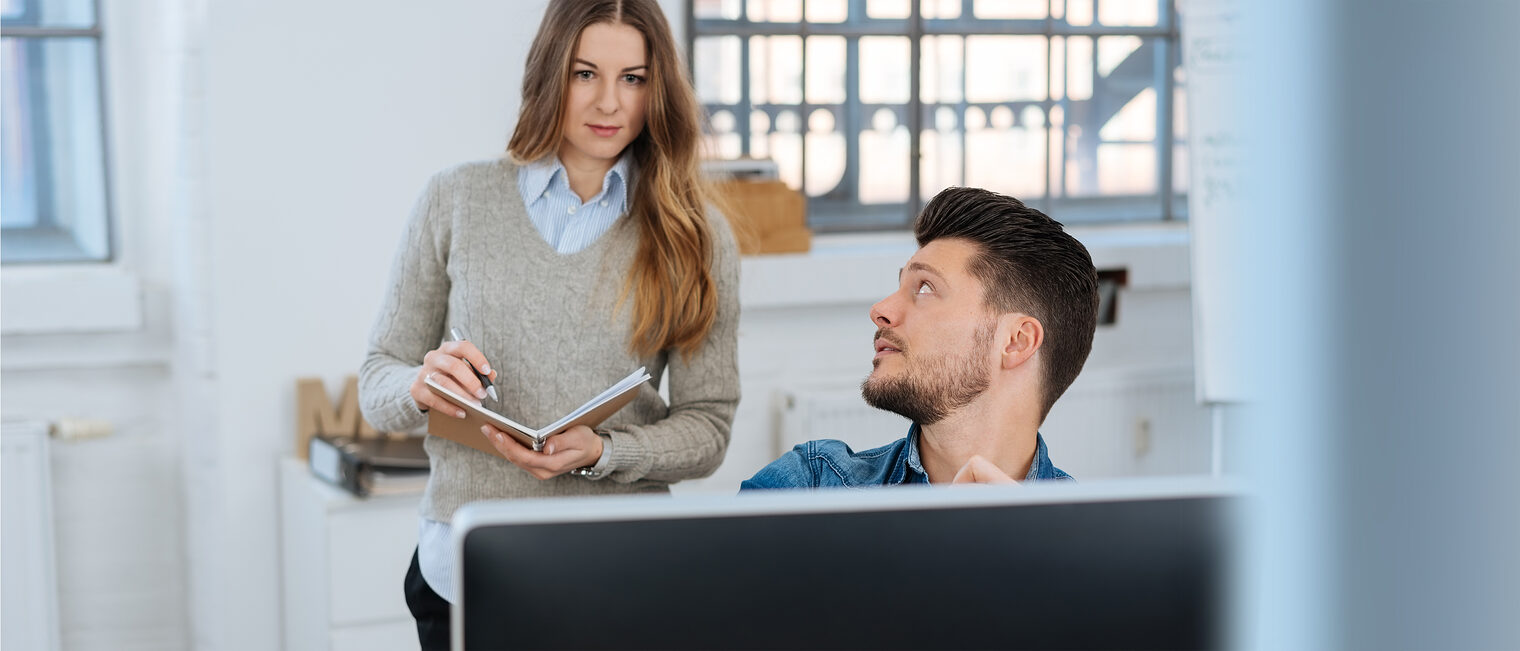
<point>1027,263</point>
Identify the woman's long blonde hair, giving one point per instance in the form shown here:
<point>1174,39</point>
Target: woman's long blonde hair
<point>675,298</point>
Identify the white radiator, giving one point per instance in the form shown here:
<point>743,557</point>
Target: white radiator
<point>833,411</point>
<point>1131,422</point>
<point>1109,423</point>
<point>29,616</point>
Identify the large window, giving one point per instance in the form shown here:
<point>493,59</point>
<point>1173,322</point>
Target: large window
<point>1070,105</point>
<point>55,204</point>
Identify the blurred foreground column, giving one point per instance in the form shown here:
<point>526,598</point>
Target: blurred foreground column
<point>1381,226</point>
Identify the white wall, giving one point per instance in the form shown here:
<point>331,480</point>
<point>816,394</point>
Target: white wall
<point>323,121</point>
<point>266,155</point>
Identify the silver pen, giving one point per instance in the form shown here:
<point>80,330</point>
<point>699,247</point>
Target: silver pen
<point>457,334</point>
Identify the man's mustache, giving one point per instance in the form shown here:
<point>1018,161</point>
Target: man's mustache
<point>891,338</point>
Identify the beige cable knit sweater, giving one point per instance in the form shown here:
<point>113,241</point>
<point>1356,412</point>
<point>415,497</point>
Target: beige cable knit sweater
<point>548,324</point>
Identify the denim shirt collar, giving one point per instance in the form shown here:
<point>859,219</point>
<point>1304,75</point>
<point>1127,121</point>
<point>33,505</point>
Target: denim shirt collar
<point>1039,468</point>
<point>538,175</point>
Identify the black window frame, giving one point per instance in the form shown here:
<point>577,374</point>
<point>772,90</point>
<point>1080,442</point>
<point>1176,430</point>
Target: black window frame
<point>832,215</point>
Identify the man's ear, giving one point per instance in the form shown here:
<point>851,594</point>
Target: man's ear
<point>1025,336</point>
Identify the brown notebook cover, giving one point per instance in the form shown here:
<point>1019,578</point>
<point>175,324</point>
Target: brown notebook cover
<point>466,431</point>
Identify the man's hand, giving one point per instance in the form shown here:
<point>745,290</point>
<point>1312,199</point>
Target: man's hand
<point>573,448</point>
<point>979,470</point>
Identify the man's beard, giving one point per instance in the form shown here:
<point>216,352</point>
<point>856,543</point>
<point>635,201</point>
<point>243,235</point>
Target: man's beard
<point>927,390</point>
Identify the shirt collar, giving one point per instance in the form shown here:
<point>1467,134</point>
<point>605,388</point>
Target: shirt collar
<point>911,461</point>
<point>538,174</point>
<point>1039,468</point>
<point>622,170</point>
<point>544,171</point>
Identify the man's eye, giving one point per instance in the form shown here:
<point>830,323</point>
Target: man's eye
<point>924,288</point>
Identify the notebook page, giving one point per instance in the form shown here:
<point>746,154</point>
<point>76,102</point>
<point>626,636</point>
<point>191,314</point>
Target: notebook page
<point>633,379</point>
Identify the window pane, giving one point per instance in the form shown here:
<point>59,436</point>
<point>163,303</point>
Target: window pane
<point>759,70</point>
<point>54,172</point>
<point>1109,127</point>
<point>1079,12</point>
<point>1055,131</point>
<point>20,170</point>
<point>1006,155</point>
<point>1136,120</point>
<point>825,153</point>
<point>1114,50</point>
<point>1126,169</point>
<point>717,73</point>
<point>1009,9</point>
<point>1057,67</point>
<point>884,69</point>
<point>940,69</point>
<point>1079,67</point>
<point>941,8</point>
<point>1001,68</point>
<point>722,140</point>
<point>825,69</point>
<point>49,13</point>
<point>888,8</point>
<point>715,9</point>
<point>775,11</point>
<point>940,148</point>
<point>884,159</point>
<point>759,134</point>
<point>827,11</point>
<point>786,150</point>
<point>776,70</point>
<point>1128,13</point>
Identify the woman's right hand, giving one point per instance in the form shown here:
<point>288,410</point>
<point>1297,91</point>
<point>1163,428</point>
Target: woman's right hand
<point>447,366</point>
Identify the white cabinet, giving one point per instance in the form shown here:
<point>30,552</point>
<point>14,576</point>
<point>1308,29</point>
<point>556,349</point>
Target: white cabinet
<point>344,560</point>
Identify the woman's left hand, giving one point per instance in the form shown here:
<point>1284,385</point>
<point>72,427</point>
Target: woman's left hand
<point>573,448</point>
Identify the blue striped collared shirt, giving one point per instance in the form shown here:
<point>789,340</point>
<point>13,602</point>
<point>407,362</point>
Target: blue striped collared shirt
<point>568,224</point>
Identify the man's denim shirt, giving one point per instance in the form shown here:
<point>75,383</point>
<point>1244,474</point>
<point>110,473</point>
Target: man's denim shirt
<point>830,463</point>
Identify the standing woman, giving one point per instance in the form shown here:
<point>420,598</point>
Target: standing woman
<point>585,255</point>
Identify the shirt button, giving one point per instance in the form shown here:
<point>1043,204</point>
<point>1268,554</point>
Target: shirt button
<point>572,210</point>
<point>603,203</point>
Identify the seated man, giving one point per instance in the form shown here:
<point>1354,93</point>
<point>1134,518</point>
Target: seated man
<point>992,320</point>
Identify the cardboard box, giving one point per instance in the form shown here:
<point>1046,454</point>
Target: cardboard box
<point>767,216</point>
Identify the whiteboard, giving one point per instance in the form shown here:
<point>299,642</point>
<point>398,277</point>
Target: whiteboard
<point>1210,35</point>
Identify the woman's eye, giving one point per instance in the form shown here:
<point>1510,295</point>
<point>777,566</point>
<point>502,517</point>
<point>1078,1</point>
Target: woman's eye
<point>924,288</point>
<point>633,79</point>
<point>582,74</point>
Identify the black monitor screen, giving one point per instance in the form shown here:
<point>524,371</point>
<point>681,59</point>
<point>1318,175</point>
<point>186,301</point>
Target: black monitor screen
<point>1104,574</point>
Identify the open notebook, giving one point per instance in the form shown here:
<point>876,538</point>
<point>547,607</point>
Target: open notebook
<point>466,431</point>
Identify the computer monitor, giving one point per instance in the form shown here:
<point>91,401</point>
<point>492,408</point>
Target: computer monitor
<point>1102,565</point>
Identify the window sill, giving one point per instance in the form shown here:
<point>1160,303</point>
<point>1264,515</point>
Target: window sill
<point>70,299</point>
<point>861,268</point>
